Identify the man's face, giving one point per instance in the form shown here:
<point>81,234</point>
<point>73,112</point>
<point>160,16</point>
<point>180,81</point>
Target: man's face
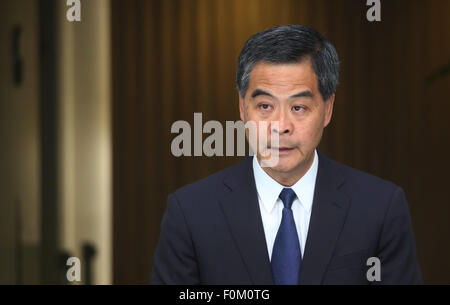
<point>289,94</point>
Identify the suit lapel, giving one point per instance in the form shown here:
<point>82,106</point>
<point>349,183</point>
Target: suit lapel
<point>241,209</point>
<point>329,210</point>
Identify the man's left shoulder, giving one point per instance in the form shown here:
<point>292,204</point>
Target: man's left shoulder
<point>363,185</point>
<point>364,180</point>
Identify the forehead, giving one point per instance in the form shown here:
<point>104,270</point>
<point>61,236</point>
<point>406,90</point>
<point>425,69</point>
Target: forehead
<point>283,79</point>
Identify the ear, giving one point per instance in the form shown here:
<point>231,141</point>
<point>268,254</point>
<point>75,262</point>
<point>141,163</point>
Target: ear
<point>241,108</point>
<point>328,110</point>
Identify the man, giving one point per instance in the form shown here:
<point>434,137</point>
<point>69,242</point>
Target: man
<point>304,220</point>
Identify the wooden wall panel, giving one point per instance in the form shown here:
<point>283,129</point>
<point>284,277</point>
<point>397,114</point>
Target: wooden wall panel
<point>176,57</point>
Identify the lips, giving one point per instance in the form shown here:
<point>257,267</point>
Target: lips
<point>282,150</point>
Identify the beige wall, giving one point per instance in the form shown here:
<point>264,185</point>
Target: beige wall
<point>85,142</point>
<point>84,151</point>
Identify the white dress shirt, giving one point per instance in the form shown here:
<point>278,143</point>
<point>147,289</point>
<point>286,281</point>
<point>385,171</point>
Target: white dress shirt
<point>271,206</point>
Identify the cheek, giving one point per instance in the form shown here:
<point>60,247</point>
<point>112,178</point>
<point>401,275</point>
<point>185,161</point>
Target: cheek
<point>250,114</point>
<point>310,131</point>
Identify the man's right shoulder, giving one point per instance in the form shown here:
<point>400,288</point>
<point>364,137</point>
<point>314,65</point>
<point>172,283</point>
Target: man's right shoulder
<point>212,185</point>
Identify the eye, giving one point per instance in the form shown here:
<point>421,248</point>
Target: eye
<point>264,106</point>
<point>298,108</point>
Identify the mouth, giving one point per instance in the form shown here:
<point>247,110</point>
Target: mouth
<point>282,150</point>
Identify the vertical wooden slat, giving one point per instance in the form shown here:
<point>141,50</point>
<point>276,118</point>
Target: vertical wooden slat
<point>168,96</point>
<point>185,97</point>
<point>124,144</point>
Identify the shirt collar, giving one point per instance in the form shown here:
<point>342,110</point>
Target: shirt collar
<point>268,189</point>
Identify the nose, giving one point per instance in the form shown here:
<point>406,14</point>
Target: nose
<point>285,125</point>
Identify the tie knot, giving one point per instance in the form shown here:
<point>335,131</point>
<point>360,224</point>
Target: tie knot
<point>287,195</point>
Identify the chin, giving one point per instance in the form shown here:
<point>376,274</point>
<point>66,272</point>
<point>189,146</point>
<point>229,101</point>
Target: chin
<point>286,165</point>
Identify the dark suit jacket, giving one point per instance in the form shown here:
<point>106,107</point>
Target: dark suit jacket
<point>212,231</point>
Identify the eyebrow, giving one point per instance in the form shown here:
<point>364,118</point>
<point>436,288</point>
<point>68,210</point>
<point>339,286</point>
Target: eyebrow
<point>305,93</point>
<point>258,92</point>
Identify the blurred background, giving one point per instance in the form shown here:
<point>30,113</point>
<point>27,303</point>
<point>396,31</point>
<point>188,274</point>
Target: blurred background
<point>86,110</point>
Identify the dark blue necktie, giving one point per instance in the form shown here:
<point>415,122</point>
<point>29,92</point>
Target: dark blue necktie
<point>286,254</point>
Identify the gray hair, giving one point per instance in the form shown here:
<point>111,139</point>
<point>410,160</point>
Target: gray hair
<point>290,44</point>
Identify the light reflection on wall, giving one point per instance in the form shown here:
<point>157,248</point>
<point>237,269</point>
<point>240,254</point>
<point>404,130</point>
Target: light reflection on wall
<point>85,136</point>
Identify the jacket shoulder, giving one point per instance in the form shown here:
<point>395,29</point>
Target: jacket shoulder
<point>210,186</point>
<point>366,189</point>
<point>364,180</point>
